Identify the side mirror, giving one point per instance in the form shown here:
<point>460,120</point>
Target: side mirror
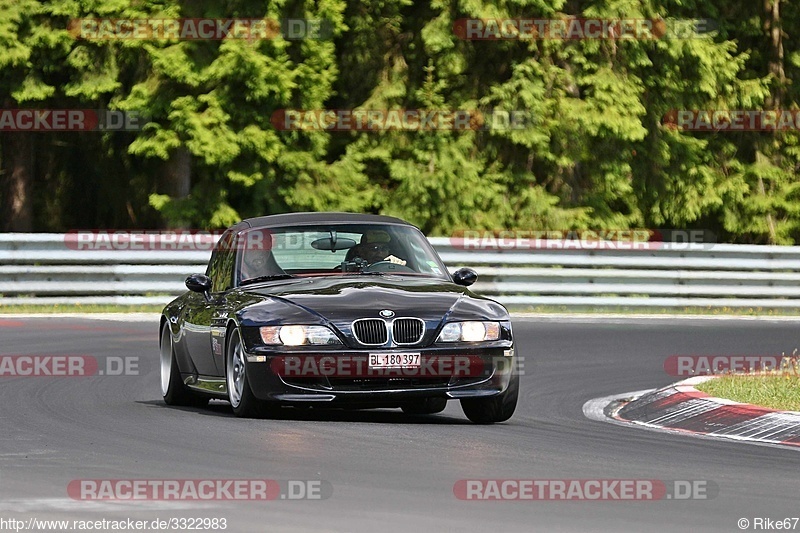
<point>465,277</point>
<point>199,283</point>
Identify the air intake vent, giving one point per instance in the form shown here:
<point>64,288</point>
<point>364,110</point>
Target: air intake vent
<point>370,331</point>
<point>408,330</point>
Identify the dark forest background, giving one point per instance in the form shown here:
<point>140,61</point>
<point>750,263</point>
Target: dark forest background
<point>598,156</point>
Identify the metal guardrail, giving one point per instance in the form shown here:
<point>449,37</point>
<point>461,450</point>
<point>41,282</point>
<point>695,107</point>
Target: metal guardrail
<point>42,268</point>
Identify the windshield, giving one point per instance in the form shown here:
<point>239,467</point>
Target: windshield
<point>335,250</point>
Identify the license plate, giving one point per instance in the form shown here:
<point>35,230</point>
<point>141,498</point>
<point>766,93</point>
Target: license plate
<point>394,360</point>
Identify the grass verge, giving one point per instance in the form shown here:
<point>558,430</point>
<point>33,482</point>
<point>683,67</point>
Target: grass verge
<point>772,391</point>
<point>77,308</point>
<point>708,311</point>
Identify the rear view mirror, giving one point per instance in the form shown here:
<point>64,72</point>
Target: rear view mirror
<point>465,277</point>
<point>333,243</point>
<point>198,283</point>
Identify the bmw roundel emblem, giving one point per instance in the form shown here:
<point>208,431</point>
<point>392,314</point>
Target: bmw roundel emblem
<point>387,313</point>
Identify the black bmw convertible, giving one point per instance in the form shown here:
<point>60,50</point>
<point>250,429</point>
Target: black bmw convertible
<point>336,310</point>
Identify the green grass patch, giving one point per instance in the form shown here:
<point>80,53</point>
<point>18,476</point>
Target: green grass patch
<point>629,310</point>
<point>773,391</point>
<point>77,308</point>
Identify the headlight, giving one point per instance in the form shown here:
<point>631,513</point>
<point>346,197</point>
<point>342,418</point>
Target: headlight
<point>470,332</point>
<point>298,335</point>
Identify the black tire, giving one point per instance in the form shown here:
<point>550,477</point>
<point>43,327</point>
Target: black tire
<point>172,388</point>
<point>243,401</point>
<point>428,406</point>
<point>494,408</point>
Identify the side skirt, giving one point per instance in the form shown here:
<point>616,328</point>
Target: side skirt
<point>214,386</point>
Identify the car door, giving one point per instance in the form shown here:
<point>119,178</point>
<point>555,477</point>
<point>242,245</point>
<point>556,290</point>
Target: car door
<point>201,313</point>
<point>222,282</point>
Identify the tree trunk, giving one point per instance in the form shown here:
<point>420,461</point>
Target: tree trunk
<point>772,25</point>
<point>16,176</point>
<point>176,176</point>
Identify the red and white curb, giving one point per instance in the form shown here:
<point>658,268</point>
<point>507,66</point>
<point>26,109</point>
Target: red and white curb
<point>682,408</point>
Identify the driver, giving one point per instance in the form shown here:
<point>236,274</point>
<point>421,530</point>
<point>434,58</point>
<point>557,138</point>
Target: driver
<point>374,248</point>
<point>257,263</point>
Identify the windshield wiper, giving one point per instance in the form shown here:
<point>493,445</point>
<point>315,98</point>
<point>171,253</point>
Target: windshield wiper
<point>270,277</point>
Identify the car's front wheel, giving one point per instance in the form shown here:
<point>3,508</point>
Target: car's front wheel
<point>172,388</point>
<point>494,408</point>
<point>243,401</point>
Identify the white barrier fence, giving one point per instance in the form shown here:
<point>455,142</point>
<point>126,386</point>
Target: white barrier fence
<point>43,268</point>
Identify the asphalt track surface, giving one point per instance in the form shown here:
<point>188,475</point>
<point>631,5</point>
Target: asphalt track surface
<point>389,471</point>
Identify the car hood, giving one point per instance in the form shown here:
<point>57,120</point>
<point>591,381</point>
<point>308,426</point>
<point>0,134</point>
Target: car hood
<point>340,300</point>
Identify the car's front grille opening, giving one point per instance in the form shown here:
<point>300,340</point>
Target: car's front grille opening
<point>370,331</point>
<point>336,384</point>
<point>308,382</point>
<point>378,384</point>
<point>408,330</point>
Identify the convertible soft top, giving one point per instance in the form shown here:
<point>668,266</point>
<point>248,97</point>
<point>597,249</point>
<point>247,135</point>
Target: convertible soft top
<point>298,219</point>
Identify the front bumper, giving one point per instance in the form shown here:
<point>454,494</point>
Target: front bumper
<point>344,377</point>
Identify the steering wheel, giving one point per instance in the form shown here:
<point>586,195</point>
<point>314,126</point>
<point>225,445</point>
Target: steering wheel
<point>387,266</point>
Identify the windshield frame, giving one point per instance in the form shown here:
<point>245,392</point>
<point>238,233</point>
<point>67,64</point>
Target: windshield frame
<point>420,245</point>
